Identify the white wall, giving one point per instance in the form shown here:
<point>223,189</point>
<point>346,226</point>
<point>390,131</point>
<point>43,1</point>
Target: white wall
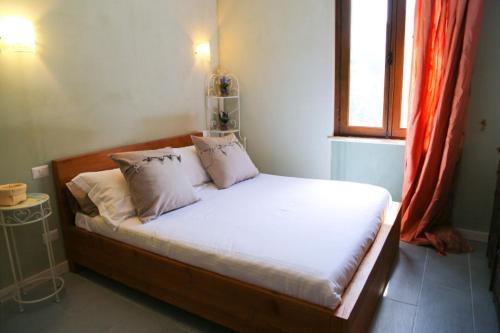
<point>282,52</point>
<point>105,73</point>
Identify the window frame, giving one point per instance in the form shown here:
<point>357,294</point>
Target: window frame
<point>393,80</point>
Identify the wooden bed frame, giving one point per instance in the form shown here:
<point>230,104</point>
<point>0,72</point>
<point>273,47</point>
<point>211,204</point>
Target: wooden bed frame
<point>227,301</point>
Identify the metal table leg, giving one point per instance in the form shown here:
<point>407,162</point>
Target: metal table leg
<point>18,262</point>
<point>50,254</point>
<point>12,262</point>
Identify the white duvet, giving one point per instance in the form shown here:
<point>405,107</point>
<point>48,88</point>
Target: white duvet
<point>300,237</point>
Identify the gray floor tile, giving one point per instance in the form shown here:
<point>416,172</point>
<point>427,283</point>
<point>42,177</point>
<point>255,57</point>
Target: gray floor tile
<point>451,294</point>
<point>109,310</point>
<point>41,317</point>
<point>450,271</point>
<point>147,321</point>
<point>70,324</point>
<point>484,309</point>
<point>406,279</point>
<point>478,259</point>
<point>442,309</point>
<point>479,250</point>
<point>3,317</point>
<point>79,294</point>
<point>196,324</point>
<point>485,315</point>
<point>393,317</point>
<point>143,306</point>
<point>480,277</point>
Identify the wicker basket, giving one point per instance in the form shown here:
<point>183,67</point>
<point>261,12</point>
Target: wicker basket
<point>12,194</point>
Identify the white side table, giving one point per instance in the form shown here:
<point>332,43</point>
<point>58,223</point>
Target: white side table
<point>36,208</point>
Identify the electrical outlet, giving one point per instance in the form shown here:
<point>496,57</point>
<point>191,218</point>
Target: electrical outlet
<point>51,236</point>
<point>40,171</point>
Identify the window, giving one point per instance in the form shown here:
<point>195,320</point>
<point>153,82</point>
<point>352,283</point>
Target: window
<point>373,63</point>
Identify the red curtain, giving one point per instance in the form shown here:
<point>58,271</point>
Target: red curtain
<point>446,33</point>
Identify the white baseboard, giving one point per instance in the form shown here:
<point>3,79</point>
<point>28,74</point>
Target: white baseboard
<point>478,236</point>
<point>8,292</point>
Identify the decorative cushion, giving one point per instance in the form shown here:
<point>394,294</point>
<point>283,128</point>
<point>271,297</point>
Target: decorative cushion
<point>191,165</point>
<point>225,159</point>
<point>156,181</point>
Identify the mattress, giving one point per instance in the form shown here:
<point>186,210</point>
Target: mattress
<point>301,237</point>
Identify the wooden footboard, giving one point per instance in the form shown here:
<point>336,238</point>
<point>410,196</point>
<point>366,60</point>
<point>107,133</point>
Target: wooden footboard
<point>230,302</point>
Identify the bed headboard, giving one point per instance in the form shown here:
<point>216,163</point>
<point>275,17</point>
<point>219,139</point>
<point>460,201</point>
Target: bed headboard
<point>67,168</point>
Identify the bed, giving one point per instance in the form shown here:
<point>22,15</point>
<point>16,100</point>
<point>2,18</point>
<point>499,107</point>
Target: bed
<point>236,272</point>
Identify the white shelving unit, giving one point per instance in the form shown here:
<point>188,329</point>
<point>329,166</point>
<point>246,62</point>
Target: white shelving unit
<point>222,106</point>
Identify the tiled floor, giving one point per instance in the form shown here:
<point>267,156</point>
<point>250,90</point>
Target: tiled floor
<point>426,293</point>
<point>432,293</point>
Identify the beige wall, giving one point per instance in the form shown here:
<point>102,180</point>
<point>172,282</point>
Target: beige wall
<point>105,73</point>
<point>282,52</point>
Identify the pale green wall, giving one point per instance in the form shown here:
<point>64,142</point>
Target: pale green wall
<point>105,73</point>
<point>477,171</point>
<point>108,73</point>
<point>377,164</point>
<point>282,52</point>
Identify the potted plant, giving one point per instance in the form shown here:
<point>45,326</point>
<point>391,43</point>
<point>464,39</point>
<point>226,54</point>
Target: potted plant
<point>224,120</point>
<point>224,85</point>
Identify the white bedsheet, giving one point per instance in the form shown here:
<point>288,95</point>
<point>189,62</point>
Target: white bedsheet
<point>300,237</point>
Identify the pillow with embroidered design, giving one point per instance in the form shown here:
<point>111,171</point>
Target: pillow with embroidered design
<point>156,181</point>
<point>225,159</point>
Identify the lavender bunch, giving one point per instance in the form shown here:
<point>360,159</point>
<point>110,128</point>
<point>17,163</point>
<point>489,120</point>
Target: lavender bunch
<point>224,85</point>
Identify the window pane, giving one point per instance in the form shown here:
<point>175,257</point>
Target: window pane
<point>367,65</point>
<point>410,13</point>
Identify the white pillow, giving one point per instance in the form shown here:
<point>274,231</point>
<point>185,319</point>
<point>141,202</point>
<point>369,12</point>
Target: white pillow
<point>191,165</point>
<point>109,191</point>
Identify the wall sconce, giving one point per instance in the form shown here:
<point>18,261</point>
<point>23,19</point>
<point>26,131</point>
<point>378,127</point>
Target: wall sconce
<point>16,34</point>
<point>202,50</point>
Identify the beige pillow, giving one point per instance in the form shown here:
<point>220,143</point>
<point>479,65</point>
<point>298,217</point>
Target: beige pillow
<point>109,191</point>
<point>225,159</point>
<point>156,181</point>
<point>191,165</point>
<point>85,205</point>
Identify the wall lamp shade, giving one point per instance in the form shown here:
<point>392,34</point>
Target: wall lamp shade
<point>202,50</point>
<point>16,34</point>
